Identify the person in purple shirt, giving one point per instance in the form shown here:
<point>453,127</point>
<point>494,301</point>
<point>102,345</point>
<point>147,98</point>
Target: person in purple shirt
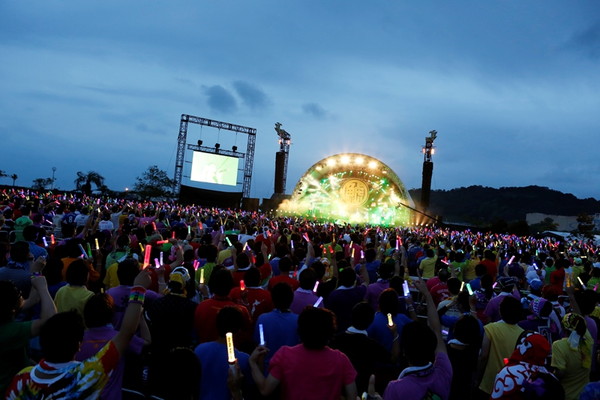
<point>98,314</point>
<point>429,371</point>
<point>304,295</point>
<point>508,287</point>
<point>345,297</point>
<point>127,270</point>
<point>385,272</point>
<point>280,326</point>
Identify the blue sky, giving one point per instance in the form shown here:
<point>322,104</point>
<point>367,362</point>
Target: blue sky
<point>512,87</point>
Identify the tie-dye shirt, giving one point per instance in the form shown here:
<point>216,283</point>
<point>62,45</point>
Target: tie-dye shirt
<point>72,380</point>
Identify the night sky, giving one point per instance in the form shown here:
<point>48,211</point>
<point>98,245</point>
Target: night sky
<point>512,87</point>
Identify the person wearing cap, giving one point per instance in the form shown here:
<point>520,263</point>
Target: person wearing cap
<point>508,287</point>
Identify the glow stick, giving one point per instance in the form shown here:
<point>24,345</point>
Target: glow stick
<point>305,236</point>
<point>97,245</point>
<point>230,351</point>
<point>261,334</point>
<point>511,260</point>
<point>147,252</point>
<point>228,242</point>
<point>292,243</point>
<point>89,249</point>
<point>45,241</point>
<point>469,289</point>
<point>580,282</point>
<point>157,263</point>
<point>318,302</point>
<point>362,254</point>
<point>352,256</point>
<point>189,229</point>
<point>535,266</point>
<point>222,230</point>
<point>406,289</point>
<point>246,246</point>
<point>242,285</point>
<point>173,235</point>
<point>83,253</point>
<point>154,226</point>
<point>161,258</point>
<point>162,242</point>
<point>141,247</point>
<point>494,285</point>
<point>201,275</point>
<point>397,245</point>
<point>52,239</point>
<point>390,320</point>
<point>316,286</point>
<point>195,265</point>
<point>462,286</point>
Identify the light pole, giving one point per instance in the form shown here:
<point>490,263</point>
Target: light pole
<point>53,171</point>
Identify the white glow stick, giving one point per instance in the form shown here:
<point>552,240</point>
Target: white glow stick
<point>318,302</point>
<point>406,289</point>
<point>390,320</point>
<point>462,286</point>
<point>161,258</point>
<point>511,260</point>
<point>316,286</point>
<point>230,351</point>
<point>397,244</point>
<point>228,242</point>
<point>292,243</point>
<point>157,263</point>
<point>261,334</point>
<point>580,282</point>
<point>45,241</point>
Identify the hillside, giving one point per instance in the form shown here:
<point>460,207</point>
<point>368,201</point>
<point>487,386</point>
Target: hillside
<point>480,205</point>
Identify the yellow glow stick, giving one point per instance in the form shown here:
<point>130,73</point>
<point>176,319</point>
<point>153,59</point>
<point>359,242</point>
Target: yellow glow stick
<point>230,352</point>
<point>202,276</point>
<point>97,245</point>
<point>390,320</point>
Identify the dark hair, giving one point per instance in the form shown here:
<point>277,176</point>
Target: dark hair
<point>386,270</point>
<point>77,273</point>
<point>220,282</point>
<point>19,251</point>
<point>60,336</point>
<point>316,327</point>
<point>242,260</point>
<point>468,331</point>
<point>282,295</point>
<point>252,277</point>
<point>480,270</point>
<point>511,310</point>
<point>388,302</point>
<point>587,300</point>
<point>308,279</point>
<point>347,277</point>
<point>183,367</point>
<point>127,270</point>
<point>418,343</point>
<point>362,315</point>
<point>285,264</point>
<point>454,285</point>
<point>229,319</point>
<point>99,310</point>
<point>30,233</point>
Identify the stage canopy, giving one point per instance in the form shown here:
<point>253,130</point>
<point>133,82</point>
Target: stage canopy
<point>353,188</point>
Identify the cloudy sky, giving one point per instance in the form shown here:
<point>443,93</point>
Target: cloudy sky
<point>512,87</point>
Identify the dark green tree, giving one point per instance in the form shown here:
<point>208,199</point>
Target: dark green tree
<point>14,178</point>
<point>41,183</point>
<point>585,225</point>
<point>547,224</point>
<point>154,184</point>
<point>84,182</point>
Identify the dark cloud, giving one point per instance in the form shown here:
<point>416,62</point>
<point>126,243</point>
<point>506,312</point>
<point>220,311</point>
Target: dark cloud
<point>219,99</point>
<point>587,41</point>
<point>315,110</point>
<point>252,96</point>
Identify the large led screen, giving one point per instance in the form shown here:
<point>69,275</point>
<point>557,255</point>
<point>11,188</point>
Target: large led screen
<point>214,168</point>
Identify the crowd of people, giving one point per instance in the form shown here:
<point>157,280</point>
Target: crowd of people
<point>119,299</point>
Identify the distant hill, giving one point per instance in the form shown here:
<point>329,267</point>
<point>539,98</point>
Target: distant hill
<point>481,205</point>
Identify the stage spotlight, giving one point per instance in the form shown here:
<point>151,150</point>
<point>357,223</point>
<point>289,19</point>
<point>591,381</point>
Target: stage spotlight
<point>234,148</point>
<point>200,142</point>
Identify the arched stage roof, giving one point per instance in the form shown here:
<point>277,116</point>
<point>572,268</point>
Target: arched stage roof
<point>350,187</point>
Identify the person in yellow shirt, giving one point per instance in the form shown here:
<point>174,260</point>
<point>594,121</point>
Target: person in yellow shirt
<point>75,294</point>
